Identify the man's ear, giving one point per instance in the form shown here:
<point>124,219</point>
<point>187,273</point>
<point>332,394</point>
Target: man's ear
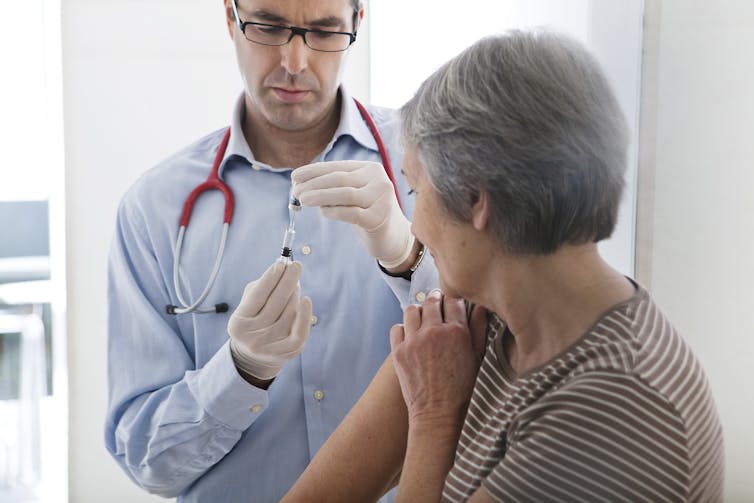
<point>358,18</point>
<point>480,211</point>
<point>361,14</point>
<point>230,18</point>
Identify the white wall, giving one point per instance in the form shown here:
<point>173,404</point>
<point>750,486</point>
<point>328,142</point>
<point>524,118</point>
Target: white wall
<point>696,228</point>
<point>142,78</point>
<point>22,110</point>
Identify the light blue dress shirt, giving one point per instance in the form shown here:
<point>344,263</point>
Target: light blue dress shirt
<point>181,421</point>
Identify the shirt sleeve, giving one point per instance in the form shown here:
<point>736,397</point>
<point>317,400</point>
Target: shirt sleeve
<point>605,437</point>
<point>414,291</point>
<point>167,422</point>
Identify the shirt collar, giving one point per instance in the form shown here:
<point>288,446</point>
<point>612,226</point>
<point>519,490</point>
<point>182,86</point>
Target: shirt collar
<point>351,124</point>
<point>237,145</point>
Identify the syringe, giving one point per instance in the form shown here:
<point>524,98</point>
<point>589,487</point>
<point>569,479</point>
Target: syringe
<point>294,206</point>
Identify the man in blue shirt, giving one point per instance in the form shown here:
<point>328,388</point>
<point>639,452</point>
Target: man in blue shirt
<point>208,410</point>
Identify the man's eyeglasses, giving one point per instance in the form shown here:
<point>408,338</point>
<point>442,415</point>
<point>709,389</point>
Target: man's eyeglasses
<point>277,35</point>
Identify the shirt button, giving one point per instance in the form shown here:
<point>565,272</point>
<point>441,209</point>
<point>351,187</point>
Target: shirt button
<point>319,395</point>
<point>306,249</point>
<point>421,296</point>
<point>254,167</point>
<point>314,320</point>
<point>255,408</point>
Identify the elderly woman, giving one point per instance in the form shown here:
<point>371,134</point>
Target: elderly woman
<point>516,151</point>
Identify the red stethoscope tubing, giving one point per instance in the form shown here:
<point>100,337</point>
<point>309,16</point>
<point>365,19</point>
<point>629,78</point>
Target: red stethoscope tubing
<point>380,146</point>
<point>213,182</point>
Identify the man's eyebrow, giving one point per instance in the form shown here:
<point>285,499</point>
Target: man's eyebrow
<point>328,22</point>
<point>323,22</point>
<point>268,16</point>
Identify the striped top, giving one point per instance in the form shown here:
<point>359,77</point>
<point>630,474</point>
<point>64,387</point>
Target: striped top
<point>624,414</point>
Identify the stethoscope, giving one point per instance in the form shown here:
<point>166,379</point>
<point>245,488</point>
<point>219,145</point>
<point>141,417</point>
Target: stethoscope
<point>213,182</point>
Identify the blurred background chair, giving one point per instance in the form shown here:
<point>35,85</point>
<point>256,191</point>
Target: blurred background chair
<point>25,342</point>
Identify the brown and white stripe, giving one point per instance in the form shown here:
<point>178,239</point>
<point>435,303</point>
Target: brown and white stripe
<point>625,414</point>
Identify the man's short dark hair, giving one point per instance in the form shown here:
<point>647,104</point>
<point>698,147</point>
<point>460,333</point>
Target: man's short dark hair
<point>356,6</point>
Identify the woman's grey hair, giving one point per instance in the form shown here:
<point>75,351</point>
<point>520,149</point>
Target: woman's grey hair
<point>529,118</point>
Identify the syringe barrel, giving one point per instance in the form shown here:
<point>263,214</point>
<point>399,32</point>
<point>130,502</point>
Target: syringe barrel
<point>288,238</point>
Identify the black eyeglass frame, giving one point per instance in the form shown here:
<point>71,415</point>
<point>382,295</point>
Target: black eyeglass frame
<point>295,30</point>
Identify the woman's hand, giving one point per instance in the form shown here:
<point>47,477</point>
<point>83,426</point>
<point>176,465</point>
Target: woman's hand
<point>437,353</point>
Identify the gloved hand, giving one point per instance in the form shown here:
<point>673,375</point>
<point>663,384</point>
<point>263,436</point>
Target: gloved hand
<point>271,323</point>
<point>360,193</point>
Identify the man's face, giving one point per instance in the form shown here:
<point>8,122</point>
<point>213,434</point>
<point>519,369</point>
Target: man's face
<point>290,87</point>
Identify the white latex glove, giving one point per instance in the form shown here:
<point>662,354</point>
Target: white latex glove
<point>360,193</point>
<point>270,324</point>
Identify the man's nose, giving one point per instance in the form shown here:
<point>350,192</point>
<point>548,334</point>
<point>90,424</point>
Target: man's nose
<point>295,55</point>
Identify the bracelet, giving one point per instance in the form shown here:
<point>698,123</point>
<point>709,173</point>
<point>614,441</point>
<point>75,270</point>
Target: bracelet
<point>419,258</point>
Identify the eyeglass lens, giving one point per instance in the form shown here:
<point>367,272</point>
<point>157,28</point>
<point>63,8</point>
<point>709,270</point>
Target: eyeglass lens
<point>280,35</point>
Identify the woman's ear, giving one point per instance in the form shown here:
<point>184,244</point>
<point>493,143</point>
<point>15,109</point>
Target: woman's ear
<point>480,211</point>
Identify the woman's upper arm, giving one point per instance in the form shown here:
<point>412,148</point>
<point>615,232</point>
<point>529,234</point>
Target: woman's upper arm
<point>363,457</point>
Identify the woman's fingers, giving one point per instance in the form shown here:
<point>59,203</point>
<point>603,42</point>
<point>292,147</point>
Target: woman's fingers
<point>397,335</point>
<point>432,309</point>
<point>454,310</point>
